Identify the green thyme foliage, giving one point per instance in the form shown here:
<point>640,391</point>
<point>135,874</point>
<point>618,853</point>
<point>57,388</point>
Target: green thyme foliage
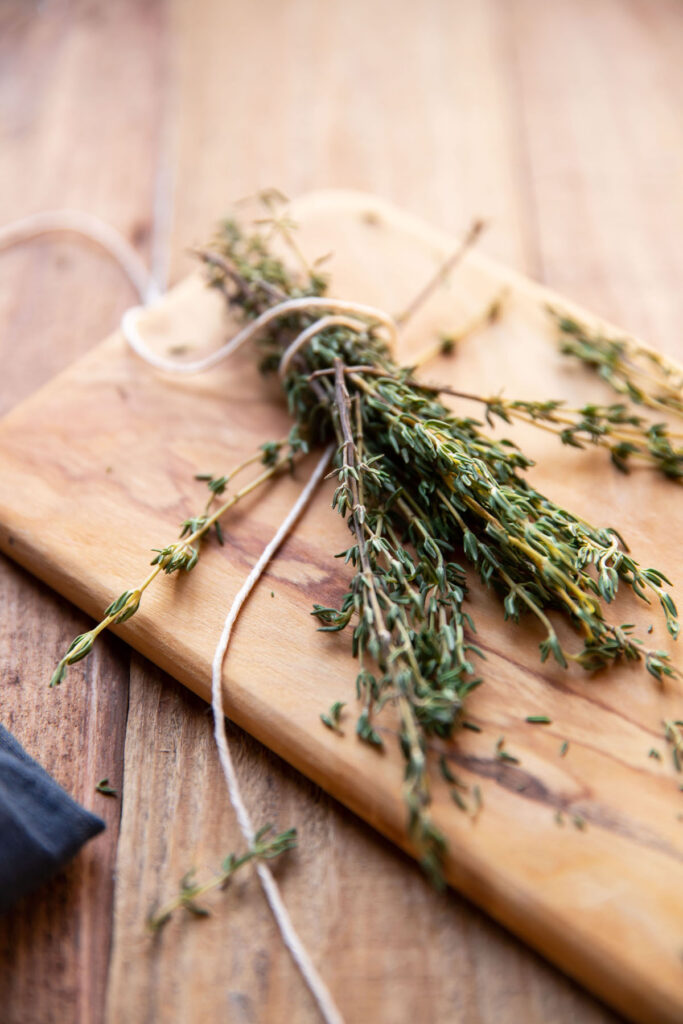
<point>673,732</point>
<point>644,376</point>
<point>457,788</point>
<point>264,847</point>
<point>333,717</point>
<point>504,755</point>
<point>628,437</point>
<point>177,556</point>
<point>124,606</point>
<point>184,552</point>
<point>78,649</point>
<point>425,492</point>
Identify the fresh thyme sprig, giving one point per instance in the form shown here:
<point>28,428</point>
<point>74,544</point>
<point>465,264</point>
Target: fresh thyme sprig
<point>625,435</point>
<point>184,552</point>
<point>645,376</point>
<point>264,847</point>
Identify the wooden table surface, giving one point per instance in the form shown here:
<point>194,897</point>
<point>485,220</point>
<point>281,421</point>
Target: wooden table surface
<point>559,122</point>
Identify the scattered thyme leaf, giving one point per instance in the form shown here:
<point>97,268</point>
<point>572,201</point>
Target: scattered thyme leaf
<point>503,755</point>
<point>333,716</point>
<point>458,800</point>
<point>673,732</point>
<point>105,789</point>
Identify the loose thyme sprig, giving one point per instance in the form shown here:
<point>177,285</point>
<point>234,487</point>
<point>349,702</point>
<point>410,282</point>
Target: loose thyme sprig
<point>264,847</point>
<point>625,435</point>
<point>645,376</point>
<point>184,552</point>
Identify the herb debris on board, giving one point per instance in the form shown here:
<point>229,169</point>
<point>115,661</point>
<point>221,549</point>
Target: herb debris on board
<point>425,491</point>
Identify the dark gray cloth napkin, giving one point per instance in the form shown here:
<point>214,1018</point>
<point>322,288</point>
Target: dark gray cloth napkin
<point>41,826</point>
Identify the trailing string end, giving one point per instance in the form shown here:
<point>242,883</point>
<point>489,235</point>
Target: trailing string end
<point>87,226</point>
<point>357,310</point>
<point>298,951</point>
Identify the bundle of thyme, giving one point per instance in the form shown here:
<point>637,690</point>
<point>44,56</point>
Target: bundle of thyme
<point>424,491</point>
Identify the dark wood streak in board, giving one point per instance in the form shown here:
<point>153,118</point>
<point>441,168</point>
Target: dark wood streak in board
<point>523,783</point>
<point>557,684</point>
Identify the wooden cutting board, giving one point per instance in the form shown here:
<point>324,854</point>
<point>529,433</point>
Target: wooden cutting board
<point>98,467</point>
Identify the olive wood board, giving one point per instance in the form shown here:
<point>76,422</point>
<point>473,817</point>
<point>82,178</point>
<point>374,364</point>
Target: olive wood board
<point>98,467</point>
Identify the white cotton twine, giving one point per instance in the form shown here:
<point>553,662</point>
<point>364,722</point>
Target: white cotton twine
<point>95,230</point>
<point>131,331</point>
<point>108,238</point>
<point>271,889</point>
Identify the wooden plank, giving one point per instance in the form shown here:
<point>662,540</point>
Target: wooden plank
<point>430,130</point>
<point>600,101</point>
<point>624,941</point>
<point>64,141</point>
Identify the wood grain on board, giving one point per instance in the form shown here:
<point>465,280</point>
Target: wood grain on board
<point>98,466</point>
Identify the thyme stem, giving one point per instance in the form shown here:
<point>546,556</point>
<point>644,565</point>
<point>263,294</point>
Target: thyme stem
<point>442,273</point>
<point>179,554</point>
